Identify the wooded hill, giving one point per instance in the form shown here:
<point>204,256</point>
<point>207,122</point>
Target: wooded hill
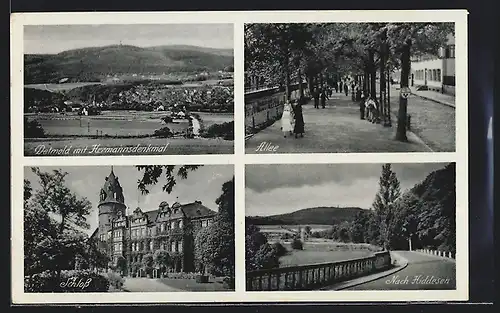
<point>318,215</point>
<point>95,63</point>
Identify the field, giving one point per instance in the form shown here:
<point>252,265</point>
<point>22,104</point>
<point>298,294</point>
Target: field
<point>314,228</point>
<point>209,119</point>
<point>111,123</point>
<point>60,87</point>
<point>321,251</point>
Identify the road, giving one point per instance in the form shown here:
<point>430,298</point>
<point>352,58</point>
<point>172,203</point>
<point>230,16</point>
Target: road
<point>146,285</point>
<point>424,272</point>
<point>337,128</point>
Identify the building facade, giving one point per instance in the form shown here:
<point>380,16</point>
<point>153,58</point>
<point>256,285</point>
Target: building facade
<point>170,228</point>
<point>436,72</point>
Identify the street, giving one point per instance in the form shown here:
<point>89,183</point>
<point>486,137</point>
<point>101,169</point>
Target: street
<point>338,128</point>
<point>423,272</point>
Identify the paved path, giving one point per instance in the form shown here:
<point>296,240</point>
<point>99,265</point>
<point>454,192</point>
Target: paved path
<point>147,285</point>
<point>445,99</point>
<point>424,272</point>
<point>337,128</point>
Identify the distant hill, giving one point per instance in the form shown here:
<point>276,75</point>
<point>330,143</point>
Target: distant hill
<point>318,215</point>
<point>95,63</point>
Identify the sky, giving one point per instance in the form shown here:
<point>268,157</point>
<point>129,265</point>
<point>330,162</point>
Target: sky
<point>50,39</point>
<point>204,184</point>
<point>284,188</point>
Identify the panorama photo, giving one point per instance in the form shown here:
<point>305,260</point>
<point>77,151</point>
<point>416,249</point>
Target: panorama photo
<point>144,228</point>
<point>349,87</point>
<point>160,89</point>
<point>350,227</point>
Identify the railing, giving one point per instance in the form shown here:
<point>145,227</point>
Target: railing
<point>315,276</point>
<point>443,254</point>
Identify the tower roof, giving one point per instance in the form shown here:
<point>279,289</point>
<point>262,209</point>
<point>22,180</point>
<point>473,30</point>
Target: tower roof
<point>112,190</point>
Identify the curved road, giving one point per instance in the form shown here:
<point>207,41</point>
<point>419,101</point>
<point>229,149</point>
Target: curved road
<point>424,272</point>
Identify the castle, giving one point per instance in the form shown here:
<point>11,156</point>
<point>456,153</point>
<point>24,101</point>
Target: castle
<point>169,228</point>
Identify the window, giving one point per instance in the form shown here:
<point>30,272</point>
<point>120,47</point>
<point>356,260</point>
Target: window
<point>165,246</point>
<point>162,227</point>
<point>172,246</point>
<point>143,230</point>
<point>151,245</point>
<point>180,224</point>
<point>172,225</point>
<point>451,52</point>
<point>179,246</point>
<point>204,224</point>
<point>439,75</point>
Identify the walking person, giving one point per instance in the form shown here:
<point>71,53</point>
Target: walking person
<point>324,96</point>
<point>336,86</point>
<point>346,88</point>
<point>298,128</point>
<point>362,106</point>
<point>316,98</point>
<point>340,86</point>
<point>286,120</point>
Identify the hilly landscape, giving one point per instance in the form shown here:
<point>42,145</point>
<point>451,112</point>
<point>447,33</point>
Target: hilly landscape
<point>95,63</point>
<point>318,215</point>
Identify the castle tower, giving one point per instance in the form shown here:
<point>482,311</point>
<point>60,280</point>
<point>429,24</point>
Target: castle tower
<point>111,202</point>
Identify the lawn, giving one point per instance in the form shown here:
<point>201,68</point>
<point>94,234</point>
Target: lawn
<point>320,252</point>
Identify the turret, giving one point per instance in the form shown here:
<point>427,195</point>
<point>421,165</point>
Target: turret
<point>111,201</point>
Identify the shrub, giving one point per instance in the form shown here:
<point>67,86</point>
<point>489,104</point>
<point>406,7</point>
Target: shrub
<point>115,280</point>
<point>224,130</point>
<point>163,132</point>
<point>280,249</point>
<point>297,244</point>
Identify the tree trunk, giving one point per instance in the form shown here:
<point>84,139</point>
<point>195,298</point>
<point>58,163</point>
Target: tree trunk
<point>382,84</point>
<point>287,78</point>
<point>389,113</point>
<point>373,75</point>
<point>403,103</point>
<point>301,88</point>
<point>365,83</point>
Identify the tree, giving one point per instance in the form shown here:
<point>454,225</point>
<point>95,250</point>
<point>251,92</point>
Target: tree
<point>359,227</point>
<point>407,39</point>
<point>54,220</point>
<point>389,192</point>
<point>147,263</point>
<point>214,245</point>
<point>259,254</point>
<point>152,174</point>
<point>162,259</point>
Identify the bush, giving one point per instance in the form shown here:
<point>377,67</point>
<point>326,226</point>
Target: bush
<point>297,244</point>
<point>115,280</point>
<point>280,249</point>
<point>163,132</point>
<point>224,130</point>
<point>71,281</point>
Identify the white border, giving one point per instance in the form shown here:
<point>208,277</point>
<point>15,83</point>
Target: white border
<point>239,159</point>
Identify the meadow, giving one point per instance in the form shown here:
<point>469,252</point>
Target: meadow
<point>209,119</point>
<point>322,251</point>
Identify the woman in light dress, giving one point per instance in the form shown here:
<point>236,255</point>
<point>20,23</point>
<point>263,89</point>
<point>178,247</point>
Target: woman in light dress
<point>287,119</point>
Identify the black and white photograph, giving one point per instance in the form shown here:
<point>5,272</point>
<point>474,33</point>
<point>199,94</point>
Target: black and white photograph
<point>152,89</point>
<point>144,228</point>
<point>349,87</point>
<point>350,227</point>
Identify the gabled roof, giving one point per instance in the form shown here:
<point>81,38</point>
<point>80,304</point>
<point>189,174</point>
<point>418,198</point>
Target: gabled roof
<point>197,209</point>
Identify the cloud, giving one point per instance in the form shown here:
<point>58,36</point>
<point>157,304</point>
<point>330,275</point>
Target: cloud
<point>265,177</point>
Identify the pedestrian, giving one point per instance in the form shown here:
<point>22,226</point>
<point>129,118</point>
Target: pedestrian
<point>323,98</point>
<point>362,107</point>
<point>316,98</point>
<point>298,128</point>
<point>353,94</point>
<point>336,86</point>
<point>341,88</point>
<point>286,119</point>
<point>346,88</point>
